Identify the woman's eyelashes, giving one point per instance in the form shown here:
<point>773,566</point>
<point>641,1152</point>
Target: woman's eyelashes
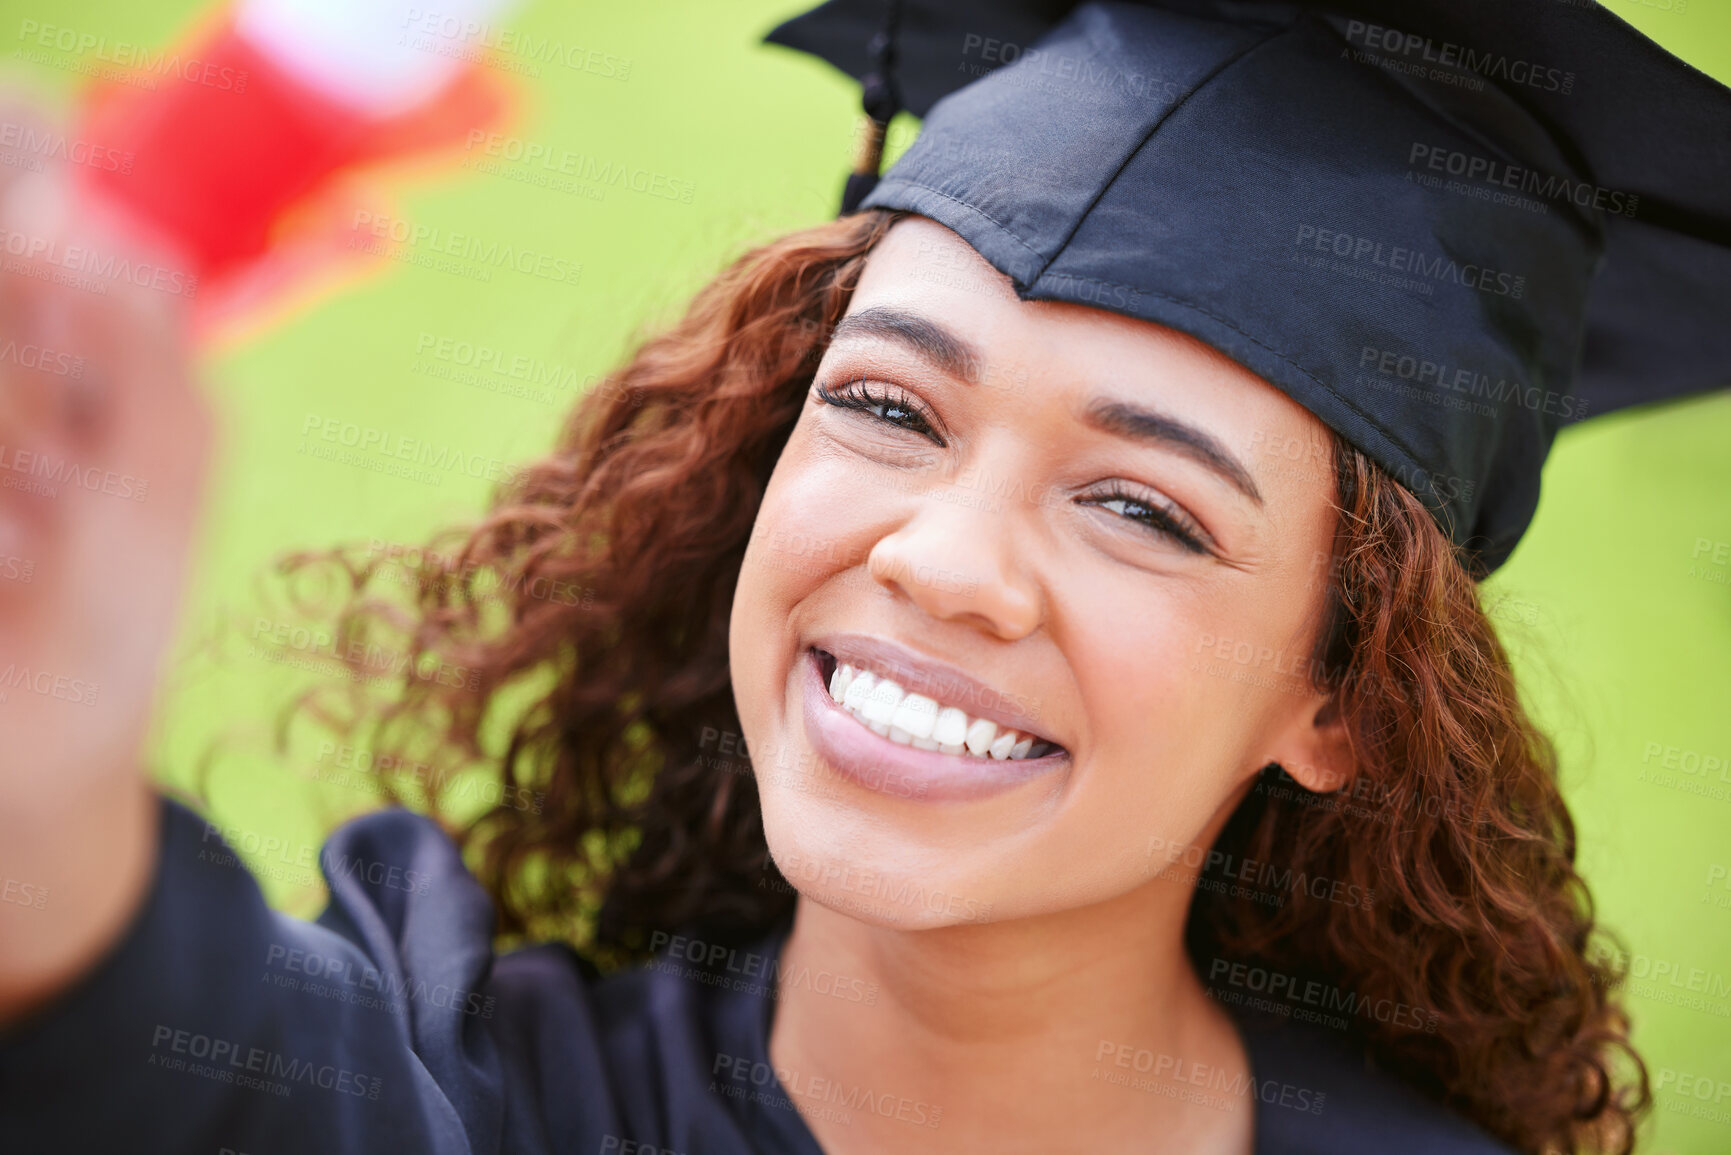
<point>890,404</point>
<point>1167,520</point>
<point>893,405</point>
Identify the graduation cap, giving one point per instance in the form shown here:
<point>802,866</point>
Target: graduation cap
<point>1445,228</point>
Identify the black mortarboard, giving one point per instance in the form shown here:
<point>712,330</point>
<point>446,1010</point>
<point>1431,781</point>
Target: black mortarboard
<point>1446,228</point>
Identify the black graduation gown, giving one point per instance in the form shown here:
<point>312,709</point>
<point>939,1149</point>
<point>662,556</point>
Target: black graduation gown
<point>217,1025</point>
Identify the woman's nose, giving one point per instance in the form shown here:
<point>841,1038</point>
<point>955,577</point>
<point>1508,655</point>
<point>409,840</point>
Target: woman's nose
<point>964,565</point>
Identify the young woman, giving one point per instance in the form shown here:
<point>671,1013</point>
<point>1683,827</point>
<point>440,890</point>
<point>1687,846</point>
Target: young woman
<point>1000,723</point>
<point>840,458</point>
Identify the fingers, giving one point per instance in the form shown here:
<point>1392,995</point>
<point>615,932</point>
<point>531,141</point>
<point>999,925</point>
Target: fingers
<point>104,435</point>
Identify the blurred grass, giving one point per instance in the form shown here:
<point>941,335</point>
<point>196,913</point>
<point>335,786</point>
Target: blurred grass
<point>1620,633</point>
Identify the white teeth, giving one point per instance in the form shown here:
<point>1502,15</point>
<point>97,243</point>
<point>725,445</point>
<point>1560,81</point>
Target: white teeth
<point>979,737</point>
<point>859,690</point>
<point>916,720</point>
<point>918,715</point>
<point>951,729</point>
<point>881,705</point>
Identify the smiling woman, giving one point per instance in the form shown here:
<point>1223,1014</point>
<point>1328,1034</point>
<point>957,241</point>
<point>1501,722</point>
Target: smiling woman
<point>1141,537</point>
<point>1028,692</point>
<point>1108,716</point>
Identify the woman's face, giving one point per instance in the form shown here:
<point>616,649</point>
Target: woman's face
<point>1030,516</point>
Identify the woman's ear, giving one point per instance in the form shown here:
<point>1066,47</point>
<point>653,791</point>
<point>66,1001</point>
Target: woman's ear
<point>1316,748</point>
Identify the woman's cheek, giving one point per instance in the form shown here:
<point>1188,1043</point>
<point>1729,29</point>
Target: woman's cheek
<point>1159,764</point>
<point>821,516</point>
<point>788,555</point>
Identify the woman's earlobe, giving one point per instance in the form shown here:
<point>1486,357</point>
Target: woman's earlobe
<point>1325,763</point>
<point>1319,779</point>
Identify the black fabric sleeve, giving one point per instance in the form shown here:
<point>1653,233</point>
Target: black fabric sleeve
<point>219,1025</point>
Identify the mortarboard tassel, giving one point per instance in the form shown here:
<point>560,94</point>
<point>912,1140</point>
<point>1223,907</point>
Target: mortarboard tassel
<point>881,101</point>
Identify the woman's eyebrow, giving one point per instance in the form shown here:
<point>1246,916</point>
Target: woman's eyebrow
<point>961,359</point>
<point>1138,424</point>
<point>931,340</point>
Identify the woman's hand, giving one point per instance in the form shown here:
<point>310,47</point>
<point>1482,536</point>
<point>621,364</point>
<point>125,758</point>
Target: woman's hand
<point>104,438</point>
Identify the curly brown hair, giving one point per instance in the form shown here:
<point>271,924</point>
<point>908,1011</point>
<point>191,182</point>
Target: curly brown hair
<point>588,612</point>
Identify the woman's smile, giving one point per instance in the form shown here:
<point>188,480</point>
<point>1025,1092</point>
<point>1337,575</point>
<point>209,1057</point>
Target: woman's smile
<point>910,727</point>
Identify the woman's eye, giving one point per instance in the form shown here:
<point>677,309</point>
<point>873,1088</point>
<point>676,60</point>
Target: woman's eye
<point>1170,523</point>
<point>886,403</point>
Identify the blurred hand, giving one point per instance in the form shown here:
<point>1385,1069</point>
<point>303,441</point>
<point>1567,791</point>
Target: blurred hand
<point>104,440</point>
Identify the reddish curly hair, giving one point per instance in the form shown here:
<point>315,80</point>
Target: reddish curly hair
<point>589,612</point>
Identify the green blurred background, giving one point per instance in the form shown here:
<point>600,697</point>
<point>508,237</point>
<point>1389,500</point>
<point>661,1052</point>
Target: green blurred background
<point>1619,618</point>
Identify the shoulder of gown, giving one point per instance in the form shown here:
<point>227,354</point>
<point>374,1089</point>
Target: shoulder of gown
<point>389,1024</point>
<point>1318,1094</point>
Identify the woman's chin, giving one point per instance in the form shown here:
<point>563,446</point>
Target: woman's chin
<point>869,874</point>
<point>902,905</point>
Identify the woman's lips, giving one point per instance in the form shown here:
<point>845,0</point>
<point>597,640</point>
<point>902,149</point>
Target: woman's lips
<point>943,682</point>
<point>876,763</point>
